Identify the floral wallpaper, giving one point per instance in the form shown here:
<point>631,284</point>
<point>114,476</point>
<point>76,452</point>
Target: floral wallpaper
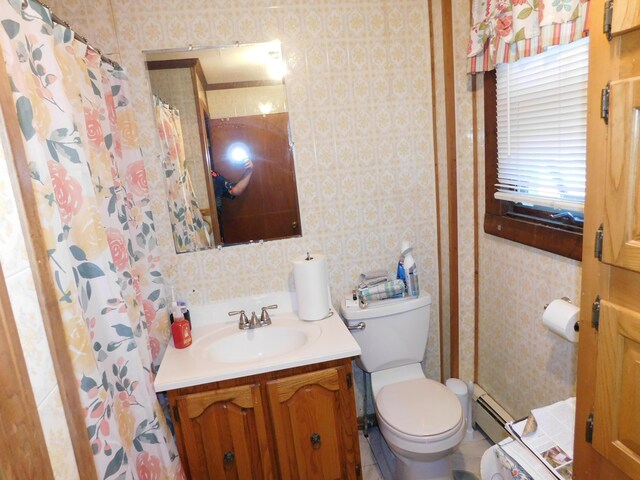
<point>359,96</point>
<point>521,364</point>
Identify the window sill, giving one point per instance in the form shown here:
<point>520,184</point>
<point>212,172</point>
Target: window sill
<point>535,234</point>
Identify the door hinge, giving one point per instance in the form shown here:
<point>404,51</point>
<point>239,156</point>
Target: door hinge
<point>358,470</point>
<point>176,414</point>
<point>597,248</point>
<point>588,434</point>
<point>608,19</point>
<point>349,380</point>
<point>604,104</point>
<point>595,313</point>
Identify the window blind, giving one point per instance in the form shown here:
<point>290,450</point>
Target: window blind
<point>542,128</point>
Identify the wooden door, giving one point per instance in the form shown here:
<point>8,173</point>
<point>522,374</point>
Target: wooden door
<point>607,442</point>
<point>268,209</point>
<point>315,425</point>
<point>617,405</point>
<point>621,232</point>
<point>223,435</point>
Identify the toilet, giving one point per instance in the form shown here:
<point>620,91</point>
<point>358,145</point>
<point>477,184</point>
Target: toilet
<point>420,419</point>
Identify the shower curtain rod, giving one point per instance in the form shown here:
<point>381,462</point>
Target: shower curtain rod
<point>76,35</point>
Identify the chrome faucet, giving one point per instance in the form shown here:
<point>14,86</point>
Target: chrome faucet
<point>243,323</point>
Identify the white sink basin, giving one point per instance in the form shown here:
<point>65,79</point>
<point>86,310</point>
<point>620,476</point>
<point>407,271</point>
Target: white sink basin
<point>221,351</point>
<point>241,346</point>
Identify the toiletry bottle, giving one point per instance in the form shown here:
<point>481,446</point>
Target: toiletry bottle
<point>401,273</point>
<point>410,270</point>
<point>180,329</point>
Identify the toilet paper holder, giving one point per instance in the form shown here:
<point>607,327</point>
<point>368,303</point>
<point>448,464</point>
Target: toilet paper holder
<point>566,299</point>
<point>576,326</point>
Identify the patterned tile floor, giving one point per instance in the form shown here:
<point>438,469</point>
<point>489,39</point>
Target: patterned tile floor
<point>379,462</point>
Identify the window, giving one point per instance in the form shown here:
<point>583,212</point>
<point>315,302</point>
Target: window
<point>535,122</point>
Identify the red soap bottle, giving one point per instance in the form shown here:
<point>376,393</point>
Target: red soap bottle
<point>180,329</point>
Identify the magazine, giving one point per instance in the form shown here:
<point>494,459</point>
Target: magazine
<point>548,434</point>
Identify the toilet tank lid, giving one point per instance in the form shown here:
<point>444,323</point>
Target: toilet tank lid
<point>383,308</point>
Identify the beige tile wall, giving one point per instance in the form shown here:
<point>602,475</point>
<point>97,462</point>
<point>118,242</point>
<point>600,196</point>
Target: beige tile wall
<point>26,312</point>
<point>239,102</point>
<point>359,94</point>
<point>521,364</point>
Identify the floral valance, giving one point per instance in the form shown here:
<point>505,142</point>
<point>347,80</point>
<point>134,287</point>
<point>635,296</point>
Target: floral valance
<point>505,30</point>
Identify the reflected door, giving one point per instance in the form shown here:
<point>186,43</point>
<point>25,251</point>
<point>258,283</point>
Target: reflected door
<point>268,209</point>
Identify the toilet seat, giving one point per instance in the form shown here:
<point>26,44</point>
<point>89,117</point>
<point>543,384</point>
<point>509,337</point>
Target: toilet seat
<point>419,409</point>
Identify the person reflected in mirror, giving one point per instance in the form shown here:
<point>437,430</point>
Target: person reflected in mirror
<point>225,188</point>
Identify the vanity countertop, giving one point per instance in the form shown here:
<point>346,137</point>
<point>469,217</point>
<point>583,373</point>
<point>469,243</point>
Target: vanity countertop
<point>220,350</point>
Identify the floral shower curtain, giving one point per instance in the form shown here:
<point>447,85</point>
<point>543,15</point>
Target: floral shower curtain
<point>187,224</point>
<point>505,30</point>
<point>80,137</point>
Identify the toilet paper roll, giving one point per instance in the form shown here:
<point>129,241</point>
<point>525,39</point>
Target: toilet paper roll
<point>311,279</point>
<point>561,317</point>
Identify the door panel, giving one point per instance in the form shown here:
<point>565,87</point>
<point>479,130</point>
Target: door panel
<point>224,434</point>
<point>268,209</point>
<point>626,16</point>
<point>617,406</point>
<point>621,246</point>
<point>312,414</point>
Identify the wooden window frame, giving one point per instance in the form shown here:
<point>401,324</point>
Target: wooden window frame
<point>505,219</point>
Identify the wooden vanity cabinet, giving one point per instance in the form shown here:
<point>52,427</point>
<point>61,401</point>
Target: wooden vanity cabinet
<point>290,424</point>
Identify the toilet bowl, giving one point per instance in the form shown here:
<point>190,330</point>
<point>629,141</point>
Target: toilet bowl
<point>420,419</point>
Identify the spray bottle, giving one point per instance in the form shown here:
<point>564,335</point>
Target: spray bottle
<point>410,270</point>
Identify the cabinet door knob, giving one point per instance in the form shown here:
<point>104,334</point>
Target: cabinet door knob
<point>315,441</point>
<point>228,459</point>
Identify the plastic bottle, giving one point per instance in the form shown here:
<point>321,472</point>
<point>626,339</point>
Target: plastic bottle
<point>180,329</point>
<point>410,270</point>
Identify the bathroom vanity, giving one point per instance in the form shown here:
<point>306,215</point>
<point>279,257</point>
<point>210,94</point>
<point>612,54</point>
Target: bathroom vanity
<point>272,402</point>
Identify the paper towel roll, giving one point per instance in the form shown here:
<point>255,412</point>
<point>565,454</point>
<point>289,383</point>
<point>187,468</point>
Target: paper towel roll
<point>312,286</point>
<point>561,317</point>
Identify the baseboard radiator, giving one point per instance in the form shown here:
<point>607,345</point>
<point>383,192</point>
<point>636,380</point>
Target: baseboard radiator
<point>489,416</point>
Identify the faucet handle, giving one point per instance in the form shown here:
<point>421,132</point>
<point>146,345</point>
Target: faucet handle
<point>264,316</point>
<point>243,323</point>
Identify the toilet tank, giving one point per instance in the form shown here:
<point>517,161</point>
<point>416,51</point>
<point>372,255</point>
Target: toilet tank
<point>395,334</point>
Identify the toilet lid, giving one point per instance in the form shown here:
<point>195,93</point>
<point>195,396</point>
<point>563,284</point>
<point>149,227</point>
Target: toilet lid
<point>420,408</point>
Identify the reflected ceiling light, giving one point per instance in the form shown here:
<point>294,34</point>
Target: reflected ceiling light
<point>277,70</point>
<point>265,108</point>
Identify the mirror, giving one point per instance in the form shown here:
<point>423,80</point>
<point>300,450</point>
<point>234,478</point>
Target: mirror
<point>228,163</point>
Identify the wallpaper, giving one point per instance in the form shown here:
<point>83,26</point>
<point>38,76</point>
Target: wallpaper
<point>26,312</point>
<point>240,102</point>
<point>521,364</point>
<point>359,96</point>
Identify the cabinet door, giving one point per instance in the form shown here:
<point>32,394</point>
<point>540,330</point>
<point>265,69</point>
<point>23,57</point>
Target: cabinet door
<point>616,433</point>
<point>224,434</point>
<point>626,16</point>
<point>315,425</point>
<point>621,244</point>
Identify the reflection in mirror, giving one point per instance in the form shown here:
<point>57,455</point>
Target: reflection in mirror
<point>227,153</point>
